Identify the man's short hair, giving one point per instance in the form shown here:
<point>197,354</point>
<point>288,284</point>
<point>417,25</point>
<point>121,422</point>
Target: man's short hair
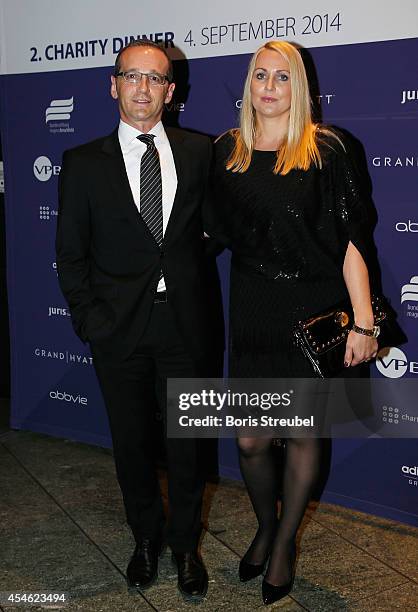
<point>144,42</point>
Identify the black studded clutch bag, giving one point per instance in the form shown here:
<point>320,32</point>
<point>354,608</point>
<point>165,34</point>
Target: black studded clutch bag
<point>322,337</point>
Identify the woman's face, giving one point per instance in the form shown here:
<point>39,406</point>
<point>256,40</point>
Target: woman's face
<point>270,85</point>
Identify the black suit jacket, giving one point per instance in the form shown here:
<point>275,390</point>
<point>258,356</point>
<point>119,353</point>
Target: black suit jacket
<point>108,261</point>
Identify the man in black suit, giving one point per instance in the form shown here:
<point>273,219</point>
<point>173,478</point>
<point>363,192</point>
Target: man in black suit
<point>132,266</point>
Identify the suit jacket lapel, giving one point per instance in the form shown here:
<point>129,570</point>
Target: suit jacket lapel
<point>176,138</point>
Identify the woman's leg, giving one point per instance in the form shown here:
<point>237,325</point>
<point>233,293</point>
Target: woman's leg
<point>260,476</point>
<point>301,471</point>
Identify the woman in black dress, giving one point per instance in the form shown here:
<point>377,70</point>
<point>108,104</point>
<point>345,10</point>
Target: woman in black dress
<point>289,209</point>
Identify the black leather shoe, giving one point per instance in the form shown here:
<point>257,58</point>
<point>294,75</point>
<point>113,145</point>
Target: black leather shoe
<point>192,575</point>
<point>248,571</point>
<point>142,570</point>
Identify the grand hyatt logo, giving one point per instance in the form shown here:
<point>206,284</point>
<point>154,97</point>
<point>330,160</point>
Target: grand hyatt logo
<point>65,356</point>
<point>63,396</point>
<point>325,99</point>
<point>395,162</point>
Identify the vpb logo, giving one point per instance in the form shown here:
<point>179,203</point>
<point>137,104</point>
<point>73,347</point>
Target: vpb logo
<point>393,363</point>
<point>43,168</point>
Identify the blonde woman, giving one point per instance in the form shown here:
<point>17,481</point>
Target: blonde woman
<point>291,213</point>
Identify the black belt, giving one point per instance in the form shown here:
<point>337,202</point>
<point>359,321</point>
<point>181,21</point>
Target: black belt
<point>160,297</point>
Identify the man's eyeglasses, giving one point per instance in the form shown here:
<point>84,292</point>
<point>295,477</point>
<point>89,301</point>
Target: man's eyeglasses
<point>133,77</point>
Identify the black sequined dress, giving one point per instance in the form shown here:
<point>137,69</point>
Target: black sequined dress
<point>288,236</point>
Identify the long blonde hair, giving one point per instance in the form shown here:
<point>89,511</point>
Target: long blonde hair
<point>300,149</point>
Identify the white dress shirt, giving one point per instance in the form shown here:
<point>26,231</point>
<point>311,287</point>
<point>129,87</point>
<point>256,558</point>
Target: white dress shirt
<point>132,151</point>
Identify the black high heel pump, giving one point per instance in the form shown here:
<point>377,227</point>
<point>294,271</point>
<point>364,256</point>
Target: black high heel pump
<point>272,593</point>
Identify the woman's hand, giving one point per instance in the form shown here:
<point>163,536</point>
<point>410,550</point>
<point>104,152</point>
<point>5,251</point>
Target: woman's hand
<point>359,348</point>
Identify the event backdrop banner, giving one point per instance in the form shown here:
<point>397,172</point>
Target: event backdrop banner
<point>56,63</point>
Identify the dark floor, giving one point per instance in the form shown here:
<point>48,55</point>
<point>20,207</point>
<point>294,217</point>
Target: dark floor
<point>63,529</point>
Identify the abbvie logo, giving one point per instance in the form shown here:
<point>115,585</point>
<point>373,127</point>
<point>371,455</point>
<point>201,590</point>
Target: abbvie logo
<point>43,168</point>
<point>393,363</point>
<point>63,396</point>
<point>406,226</point>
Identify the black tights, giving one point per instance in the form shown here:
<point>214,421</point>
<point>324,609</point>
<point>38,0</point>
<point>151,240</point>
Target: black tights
<point>259,472</point>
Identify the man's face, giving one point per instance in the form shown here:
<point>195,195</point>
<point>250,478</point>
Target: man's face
<point>141,104</point>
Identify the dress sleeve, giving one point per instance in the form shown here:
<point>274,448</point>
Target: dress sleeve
<point>215,224</point>
<point>353,205</point>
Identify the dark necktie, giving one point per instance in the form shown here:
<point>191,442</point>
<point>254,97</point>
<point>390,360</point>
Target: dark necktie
<point>151,193</point>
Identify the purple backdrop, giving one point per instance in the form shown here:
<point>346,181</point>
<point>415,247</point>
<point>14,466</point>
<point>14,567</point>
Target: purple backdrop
<point>369,89</point>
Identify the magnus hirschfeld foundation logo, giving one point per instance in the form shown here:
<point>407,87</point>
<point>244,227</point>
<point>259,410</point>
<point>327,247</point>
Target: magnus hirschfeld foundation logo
<point>409,298</point>
<point>58,115</point>
<point>409,292</point>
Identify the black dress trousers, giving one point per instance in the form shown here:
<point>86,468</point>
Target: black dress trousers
<point>130,389</point>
